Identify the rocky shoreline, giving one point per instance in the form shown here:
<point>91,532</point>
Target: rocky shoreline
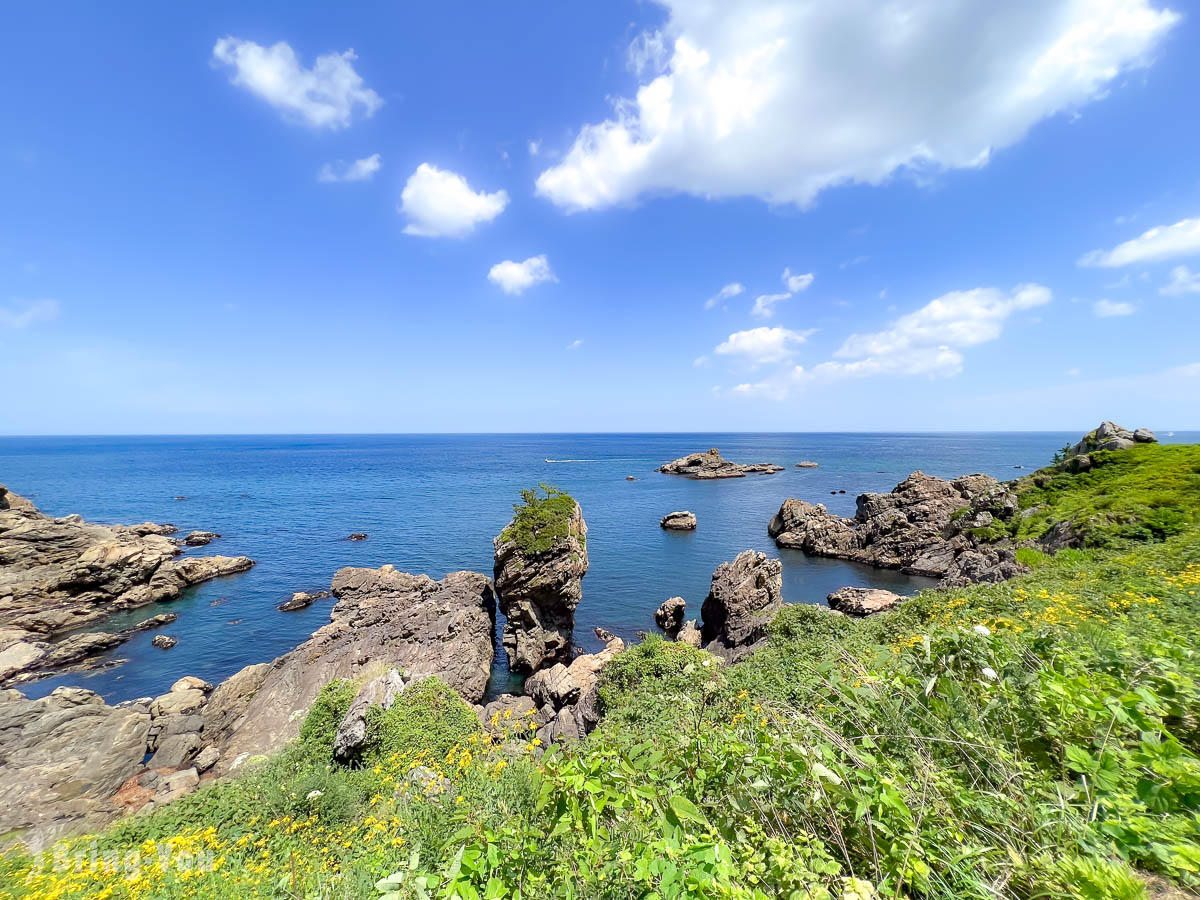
<point>58,575</point>
<point>70,762</point>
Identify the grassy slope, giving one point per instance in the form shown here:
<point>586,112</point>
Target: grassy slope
<point>1029,739</point>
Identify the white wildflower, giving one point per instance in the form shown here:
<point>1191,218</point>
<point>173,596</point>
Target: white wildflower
<point>981,630</point>
<point>313,795</point>
<point>989,673</point>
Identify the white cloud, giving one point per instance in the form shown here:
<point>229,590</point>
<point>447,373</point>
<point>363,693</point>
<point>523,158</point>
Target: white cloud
<point>325,96</point>
<point>575,344</point>
<point>1159,243</point>
<point>927,340</point>
<point>782,100</point>
<point>796,283</point>
<point>517,277</point>
<point>440,203</point>
<point>762,345</point>
<point>359,170</point>
<point>23,313</point>
<point>535,147</point>
<point>1191,370</point>
<point>1183,281</point>
<point>1107,309</point>
<point>1073,373</point>
<point>764,302</point>
<point>699,361</point>
<point>730,290</point>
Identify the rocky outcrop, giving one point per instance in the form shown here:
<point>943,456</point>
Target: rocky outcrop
<point>164,641</point>
<point>565,695</point>
<point>384,619</point>
<point>379,692</point>
<point>679,521</point>
<point>1111,436</point>
<point>538,590</point>
<point>807,464</point>
<point>669,615</point>
<point>58,574</point>
<point>62,758</point>
<point>690,634</point>
<point>301,599</point>
<point>922,527</point>
<point>200,538</point>
<point>710,465</point>
<point>744,597</point>
<point>861,601</point>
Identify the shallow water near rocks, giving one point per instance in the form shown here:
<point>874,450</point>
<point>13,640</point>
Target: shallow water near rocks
<point>432,503</point>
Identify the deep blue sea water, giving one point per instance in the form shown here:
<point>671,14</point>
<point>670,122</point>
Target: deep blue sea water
<point>432,503</point>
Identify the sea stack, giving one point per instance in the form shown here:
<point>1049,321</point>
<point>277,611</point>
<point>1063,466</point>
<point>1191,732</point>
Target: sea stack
<point>744,597</point>
<point>541,558</point>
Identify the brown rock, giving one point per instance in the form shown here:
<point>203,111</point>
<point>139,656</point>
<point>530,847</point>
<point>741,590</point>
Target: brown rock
<point>669,615</point>
<point>860,601</point>
<point>744,597</point>
<point>710,465</point>
<point>679,521</point>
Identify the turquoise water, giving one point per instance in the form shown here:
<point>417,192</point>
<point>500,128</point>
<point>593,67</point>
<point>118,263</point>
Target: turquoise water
<point>432,503</point>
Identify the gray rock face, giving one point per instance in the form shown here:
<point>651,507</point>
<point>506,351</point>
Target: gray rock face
<point>200,538</point>
<point>61,760</point>
<point>351,736</point>
<point>669,615</point>
<point>690,634</point>
<point>921,527</point>
<point>744,597</point>
<point>679,521</point>
<point>860,601</point>
<point>565,695</point>
<point>710,465</point>
<point>384,619</point>
<point>538,594</point>
<point>59,574</point>
<point>1111,436</point>
<point>164,641</point>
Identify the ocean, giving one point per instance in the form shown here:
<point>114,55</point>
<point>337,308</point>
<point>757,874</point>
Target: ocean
<point>433,503</point>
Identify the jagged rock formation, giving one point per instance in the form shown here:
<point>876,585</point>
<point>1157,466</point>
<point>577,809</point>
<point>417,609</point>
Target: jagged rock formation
<point>200,538</point>
<point>710,465</point>
<point>61,760</point>
<point>1111,436</point>
<point>381,692</point>
<point>669,615</point>
<point>565,695</point>
<point>57,574</point>
<point>861,601</point>
<point>384,619</point>
<point>925,526</point>
<point>539,588</point>
<point>744,597</point>
<point>679,521</point>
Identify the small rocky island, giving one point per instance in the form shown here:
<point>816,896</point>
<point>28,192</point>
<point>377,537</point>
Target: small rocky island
<point>540,560</point>
<point>681,520</point>
<point>58,574</point>
<point>710,464</point>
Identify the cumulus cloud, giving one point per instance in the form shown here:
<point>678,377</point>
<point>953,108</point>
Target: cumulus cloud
<point>782,100</point>
<point>764,302</point>
<point>517,277</point>
<point>23,313</point>
<point>325,96</point>
<point>796,283</point>
<point>1107,309</point>
<point>575,344</point>
<point>1159,243</point>
<point>1183,281</point>
<point>439,203</point>
<point>359,170</point>
<point>762,345</point>
<point>730,290</point>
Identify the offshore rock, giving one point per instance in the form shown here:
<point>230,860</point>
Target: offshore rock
<point>710,465</point>
<point>301,599</point>
<point>384,619</point>
<point>921,528</point>
<point>58,574</point>
<point>200,538</point>
<point>679,521</point>
<point>538,594</point>
<point>744,597</point>
<point>807,464</point>
<point>61,760</point>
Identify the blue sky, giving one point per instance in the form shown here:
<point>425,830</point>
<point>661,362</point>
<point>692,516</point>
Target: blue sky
<point>521,217</point>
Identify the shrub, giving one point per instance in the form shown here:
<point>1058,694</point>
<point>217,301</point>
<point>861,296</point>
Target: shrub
<point>540,520</point>
<point>654,664</point>
<point>328,710</point>
<point>429,716</point>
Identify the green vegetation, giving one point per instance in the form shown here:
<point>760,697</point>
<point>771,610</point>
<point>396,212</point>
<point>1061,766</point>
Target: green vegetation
<point>1031,739</point>
<point>541,519</point>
